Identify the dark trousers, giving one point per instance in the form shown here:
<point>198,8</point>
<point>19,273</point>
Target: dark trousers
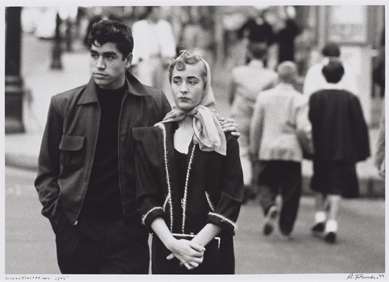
<point>102,246</point>
<point>284,178</point>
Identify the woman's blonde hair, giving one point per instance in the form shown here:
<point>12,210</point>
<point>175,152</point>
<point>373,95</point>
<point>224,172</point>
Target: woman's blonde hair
<point>185,58</point>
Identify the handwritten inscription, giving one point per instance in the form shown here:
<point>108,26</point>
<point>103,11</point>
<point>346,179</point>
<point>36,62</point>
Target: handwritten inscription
<point>40,278</point>
<point>354,276</point>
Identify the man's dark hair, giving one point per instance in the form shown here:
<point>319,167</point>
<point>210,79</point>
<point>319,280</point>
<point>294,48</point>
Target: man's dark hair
<point>258,50</point>
<point>331,50</point>
<point>333,71</point>
<point>112,31</point>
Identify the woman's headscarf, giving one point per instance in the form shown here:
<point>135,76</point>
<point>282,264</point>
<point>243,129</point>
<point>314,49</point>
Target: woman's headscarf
<point>208,132</point>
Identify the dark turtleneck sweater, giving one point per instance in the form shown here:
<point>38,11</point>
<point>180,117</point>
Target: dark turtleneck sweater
<point>103,198</point>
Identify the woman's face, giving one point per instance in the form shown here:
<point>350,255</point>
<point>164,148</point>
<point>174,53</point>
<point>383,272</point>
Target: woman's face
<point>187,86</point>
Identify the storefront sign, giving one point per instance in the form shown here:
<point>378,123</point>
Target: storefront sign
<point>347,24</point>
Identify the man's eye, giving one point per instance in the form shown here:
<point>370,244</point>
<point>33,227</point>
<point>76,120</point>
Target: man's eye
<point>93,55</point>
<point>110,58</point>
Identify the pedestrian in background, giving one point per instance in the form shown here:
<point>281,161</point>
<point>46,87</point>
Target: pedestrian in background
<point>379,80</point>
<point>287,31</point>
<point>258,31</point>
<point>279,132</point>
<point>379,157</point>
<point>197,37</point>
<point>246,83</point>
<point>154,49</point>
<point>315,80</point>
<point>340,140</point>
<point>189,178</point>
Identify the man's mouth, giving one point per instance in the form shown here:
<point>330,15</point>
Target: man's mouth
<point>99,74</point>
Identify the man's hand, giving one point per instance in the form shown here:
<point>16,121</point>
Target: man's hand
<point>229,125</point>
<point>188,253</point>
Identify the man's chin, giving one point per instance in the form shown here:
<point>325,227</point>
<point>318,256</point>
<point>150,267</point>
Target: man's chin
<point>99,82</point>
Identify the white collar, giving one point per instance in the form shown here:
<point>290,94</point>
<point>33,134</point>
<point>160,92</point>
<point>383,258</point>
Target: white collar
<point>256,63</point>
<point>329,86</point>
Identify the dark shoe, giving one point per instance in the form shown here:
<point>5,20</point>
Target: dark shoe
<point>270,219</point>
<point>330,237</point>
<point>286,235</point>
<point>318,227</point>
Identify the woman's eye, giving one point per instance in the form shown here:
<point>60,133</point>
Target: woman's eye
<point>192,82</point>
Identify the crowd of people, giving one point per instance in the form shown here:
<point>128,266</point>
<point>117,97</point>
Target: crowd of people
<point>119,161</point>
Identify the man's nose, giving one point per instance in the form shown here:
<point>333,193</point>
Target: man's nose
<point>100,63</point>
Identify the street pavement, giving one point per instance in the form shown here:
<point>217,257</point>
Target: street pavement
<point>360,248</point>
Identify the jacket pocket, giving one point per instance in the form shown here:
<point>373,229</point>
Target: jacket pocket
<point>72,152</point>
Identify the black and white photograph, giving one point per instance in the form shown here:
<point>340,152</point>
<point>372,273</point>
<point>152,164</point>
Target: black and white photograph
<point>232,140</point>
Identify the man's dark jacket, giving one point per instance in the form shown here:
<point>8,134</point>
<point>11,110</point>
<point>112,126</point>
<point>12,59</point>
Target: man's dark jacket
<point>69,142</point>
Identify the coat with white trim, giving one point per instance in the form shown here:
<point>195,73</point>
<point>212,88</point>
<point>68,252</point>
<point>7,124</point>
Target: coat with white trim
<point>214,189</point>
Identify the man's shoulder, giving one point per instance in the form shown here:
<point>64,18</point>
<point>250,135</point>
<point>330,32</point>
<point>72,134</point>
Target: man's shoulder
<point>69,94</point>
<point>155,93</point>
<point>269,93</point>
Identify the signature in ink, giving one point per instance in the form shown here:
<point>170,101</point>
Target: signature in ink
<point>355,276</point>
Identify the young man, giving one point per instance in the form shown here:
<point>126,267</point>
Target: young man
<point>279,131</point>
<point>86,180</point>
<point>336,113</point>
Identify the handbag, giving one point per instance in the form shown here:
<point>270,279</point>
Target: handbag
<point>160,265</point>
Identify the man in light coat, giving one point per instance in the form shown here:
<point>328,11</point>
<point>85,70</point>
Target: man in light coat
<point>279,132</point>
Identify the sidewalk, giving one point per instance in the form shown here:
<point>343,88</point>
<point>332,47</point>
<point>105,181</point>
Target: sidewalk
<point>21,150</point>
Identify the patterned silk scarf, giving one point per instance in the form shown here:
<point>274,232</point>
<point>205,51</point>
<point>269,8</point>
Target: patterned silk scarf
<point>208,132</point>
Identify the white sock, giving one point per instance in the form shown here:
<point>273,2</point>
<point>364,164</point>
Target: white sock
<point>331,226</point>
<point>320,216</point>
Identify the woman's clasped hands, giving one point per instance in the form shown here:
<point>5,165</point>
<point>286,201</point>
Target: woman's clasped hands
<point>189,253</point>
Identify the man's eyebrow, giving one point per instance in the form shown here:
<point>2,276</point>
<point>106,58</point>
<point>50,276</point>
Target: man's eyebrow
<point>109,53</point>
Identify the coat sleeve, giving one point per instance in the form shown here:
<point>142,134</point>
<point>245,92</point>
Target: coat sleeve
<point>227,210</point>
<point>46,182</point>
<point>149,194</point>
<point>303,127</point>
<point>256,128</point>
<point>359,130</point>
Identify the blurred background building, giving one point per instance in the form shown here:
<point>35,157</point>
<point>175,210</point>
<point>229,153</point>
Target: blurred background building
<point>212,30</point>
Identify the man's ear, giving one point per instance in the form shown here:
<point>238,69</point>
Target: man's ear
<point>128,60</point>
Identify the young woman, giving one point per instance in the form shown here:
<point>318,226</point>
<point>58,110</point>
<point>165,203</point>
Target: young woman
<point>189,178</point>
